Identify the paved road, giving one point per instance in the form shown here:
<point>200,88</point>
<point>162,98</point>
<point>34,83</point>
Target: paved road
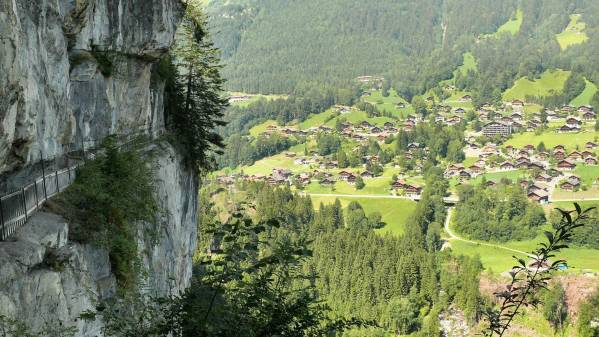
<point>371,196</point>
<point>573,200</point>
<point>453,236</point>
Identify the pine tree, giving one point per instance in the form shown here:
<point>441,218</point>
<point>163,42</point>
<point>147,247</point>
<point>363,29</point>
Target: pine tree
<point>194,101</point>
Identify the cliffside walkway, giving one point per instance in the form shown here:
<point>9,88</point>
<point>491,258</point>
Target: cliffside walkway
<point>19,205</point>
<point>16,207</point>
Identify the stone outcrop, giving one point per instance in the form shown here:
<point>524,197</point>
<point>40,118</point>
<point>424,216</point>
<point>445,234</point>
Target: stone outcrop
<point>72,72</point>
<point>76,70</point>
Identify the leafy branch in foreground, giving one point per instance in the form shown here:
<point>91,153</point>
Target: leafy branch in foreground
<point>528,280</point>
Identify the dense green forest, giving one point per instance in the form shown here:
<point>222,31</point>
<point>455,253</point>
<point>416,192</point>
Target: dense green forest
<point>277,46</point>
<point>391,281</point>
<point>501,213</point>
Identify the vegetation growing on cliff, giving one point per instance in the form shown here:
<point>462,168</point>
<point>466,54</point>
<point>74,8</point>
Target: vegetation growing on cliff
<point>194,101</point>
<point>112,194</point>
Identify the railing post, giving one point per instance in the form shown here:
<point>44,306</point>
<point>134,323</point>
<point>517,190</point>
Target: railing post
<point>83,148</point>
<point>44,177</point>
<point>24,202</point>
<point>69,171</point>
<point>57,186</point>
<point>37,199</point>
<point>1,221</point>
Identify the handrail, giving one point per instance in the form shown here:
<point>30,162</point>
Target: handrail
<point>17,206</point>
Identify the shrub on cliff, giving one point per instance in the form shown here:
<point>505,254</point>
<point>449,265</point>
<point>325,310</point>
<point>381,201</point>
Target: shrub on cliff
<point>110,196</point>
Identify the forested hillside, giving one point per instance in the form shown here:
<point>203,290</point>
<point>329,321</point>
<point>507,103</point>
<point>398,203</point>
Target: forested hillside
<point>275,46</point>
<point>272,45</point>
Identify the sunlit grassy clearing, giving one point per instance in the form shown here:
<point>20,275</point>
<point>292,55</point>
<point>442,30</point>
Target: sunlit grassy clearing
<point>260,128</point>
<point>586,97</point>
<point>500,260</point>
<point>254,98</point>
<point>573,34</point>
<point>552,138</point>
<point>551,82</point>
<point>395,212</point>
<point>512,26</point>
<point>389,103</point>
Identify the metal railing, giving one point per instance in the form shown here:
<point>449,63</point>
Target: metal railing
<point>18,206</point>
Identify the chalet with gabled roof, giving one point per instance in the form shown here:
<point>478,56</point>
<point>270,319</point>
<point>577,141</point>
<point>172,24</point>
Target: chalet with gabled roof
<point>565,165</point>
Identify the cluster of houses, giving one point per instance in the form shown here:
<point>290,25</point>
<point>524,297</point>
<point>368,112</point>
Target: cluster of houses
<point>409,189</point>
<point>504,125</point>
<point>548,165</point>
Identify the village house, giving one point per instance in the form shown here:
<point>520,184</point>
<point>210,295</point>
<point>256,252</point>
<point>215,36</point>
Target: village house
<point>567,108</point>
<point>539,196</point>
<point>342,109</point>
<point>543,178</point>
<point>542,155</point>
<point>454,120</point>
<point>454,169</point>
<point>565,165</point>
<point>466,98</point>
<point>343,175</point>
<point>575,155</point>
<point>497,129</point>
<point>517,105</point>
<point>590,145</point>
<point>516,116</point>
<point>490,183</point>
<point>586,154</point>
<point>568,129</point>
<point>465,175</point>
<point>589,115</point>
<point>507,166</point>
<point>376,130</point>
<point>568,186</point>
<point>590,161</point>
<point>573,122</point>
<point>536,165</point>
<point>460,111</point>
<point>413,190</point>
<point>476,169</point>
<point>366,174</point>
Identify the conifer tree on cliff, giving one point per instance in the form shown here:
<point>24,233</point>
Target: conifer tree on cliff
<point>194,100</point>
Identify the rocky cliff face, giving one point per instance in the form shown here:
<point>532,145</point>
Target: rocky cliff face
<point>72,72</point>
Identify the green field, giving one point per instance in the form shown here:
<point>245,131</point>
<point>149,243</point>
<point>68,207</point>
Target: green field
<point>395,212</point>
<point>316,120</point>
<point>265,166</point>
<point>468,64</point>
<point>573,34</point>
<point>498,260</point>
<point>588,174</point>
<point>551,82</point>
<point>552,138</point>
<point>389,103</point>
<point>455,101</point>
<point>512,26</point>
<point>586,96</point>
<point>258,129</point>
<point>254,98</point>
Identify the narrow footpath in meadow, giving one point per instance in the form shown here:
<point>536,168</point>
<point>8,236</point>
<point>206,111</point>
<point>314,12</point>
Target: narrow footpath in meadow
<point>453,236</point>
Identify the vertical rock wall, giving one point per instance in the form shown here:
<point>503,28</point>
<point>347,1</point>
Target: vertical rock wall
<point>72,72</point>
